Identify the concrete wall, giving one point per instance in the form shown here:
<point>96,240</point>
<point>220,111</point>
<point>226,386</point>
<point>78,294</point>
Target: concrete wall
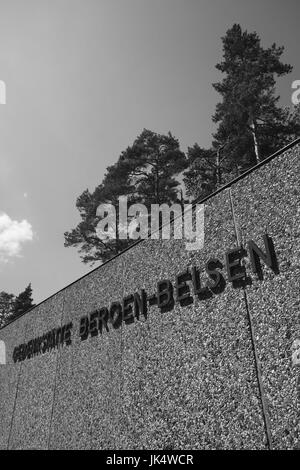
<point>219,373</point>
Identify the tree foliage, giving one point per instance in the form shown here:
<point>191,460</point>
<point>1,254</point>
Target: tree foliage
<point>6,306</point>
<point>201,176</point>
<point>22,303</point>
<point>249,117</point>
<point>146,173</point>
<point>250,123</point>
<point>12,306</point>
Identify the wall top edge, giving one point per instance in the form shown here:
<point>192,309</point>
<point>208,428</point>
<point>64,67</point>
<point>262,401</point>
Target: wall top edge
<point>196,201</point>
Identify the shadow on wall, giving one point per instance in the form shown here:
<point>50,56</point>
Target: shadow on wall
<point>2,353</point>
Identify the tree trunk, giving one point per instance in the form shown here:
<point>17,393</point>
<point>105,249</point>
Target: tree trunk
<point>157,181</point>
<point>254,134</point>
<point>218,167</point>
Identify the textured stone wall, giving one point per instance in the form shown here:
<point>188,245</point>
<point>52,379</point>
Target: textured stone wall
<point>218,373</point>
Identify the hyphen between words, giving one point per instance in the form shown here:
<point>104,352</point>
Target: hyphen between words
<point>188,286</point>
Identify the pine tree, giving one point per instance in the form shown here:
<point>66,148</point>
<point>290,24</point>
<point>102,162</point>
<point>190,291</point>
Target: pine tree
<point>249,117</point>
<point>146,173</point>
<point>251,125</point>
<point>23,302</point>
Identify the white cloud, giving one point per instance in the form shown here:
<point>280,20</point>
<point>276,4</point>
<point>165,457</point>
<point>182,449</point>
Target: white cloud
<point>12,236</point>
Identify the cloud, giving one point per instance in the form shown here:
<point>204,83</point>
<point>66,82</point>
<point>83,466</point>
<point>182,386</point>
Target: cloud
<point>12,236</point>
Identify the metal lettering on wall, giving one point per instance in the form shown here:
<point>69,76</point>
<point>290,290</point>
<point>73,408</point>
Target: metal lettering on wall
<point>135,305</point>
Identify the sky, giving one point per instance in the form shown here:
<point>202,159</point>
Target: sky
<point>83,78</point>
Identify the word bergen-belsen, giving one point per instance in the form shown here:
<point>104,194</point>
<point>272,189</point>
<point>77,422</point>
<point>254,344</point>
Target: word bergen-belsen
<point>135,305</point>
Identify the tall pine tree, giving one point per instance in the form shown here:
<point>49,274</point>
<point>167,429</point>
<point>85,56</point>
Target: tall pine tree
<point>249,117</point>
<point>250,123</point>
